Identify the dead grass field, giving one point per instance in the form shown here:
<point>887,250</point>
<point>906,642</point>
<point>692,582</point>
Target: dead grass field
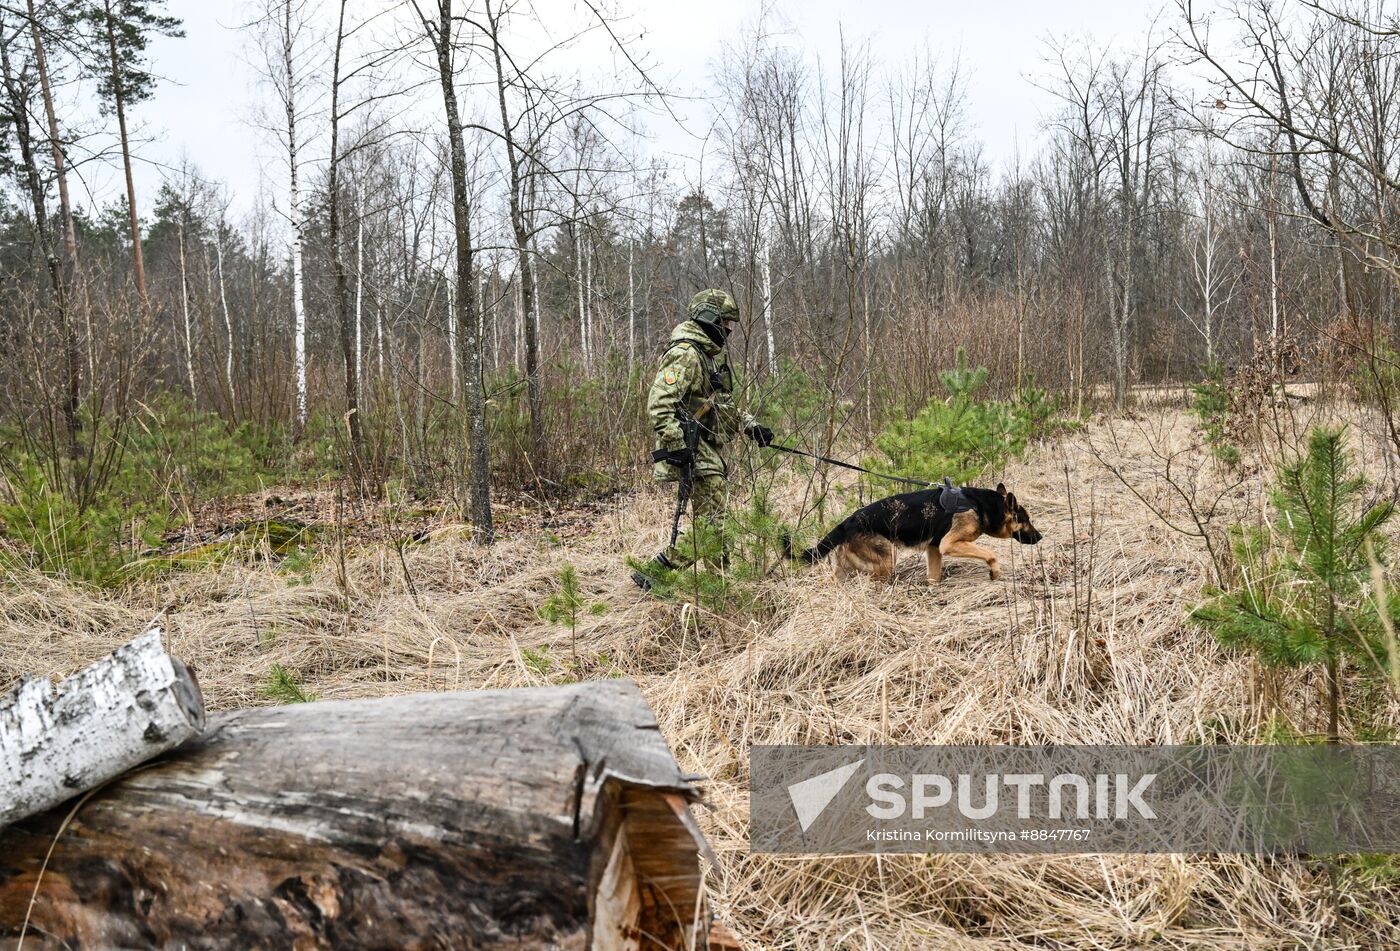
<point>1082,641</point>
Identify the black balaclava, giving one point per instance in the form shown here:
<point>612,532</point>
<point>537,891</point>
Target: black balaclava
<point>717,331</point>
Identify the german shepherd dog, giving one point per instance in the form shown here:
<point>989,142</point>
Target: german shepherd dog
<point>866,540</point>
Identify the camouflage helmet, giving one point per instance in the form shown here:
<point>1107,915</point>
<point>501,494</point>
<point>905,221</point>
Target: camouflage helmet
<point>713,306</point>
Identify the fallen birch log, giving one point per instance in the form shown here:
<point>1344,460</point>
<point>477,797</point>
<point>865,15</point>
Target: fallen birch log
<point>129,707</point>
<point>531,818</point>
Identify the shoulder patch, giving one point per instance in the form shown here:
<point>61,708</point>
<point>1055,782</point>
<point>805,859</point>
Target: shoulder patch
<point>671,375</point>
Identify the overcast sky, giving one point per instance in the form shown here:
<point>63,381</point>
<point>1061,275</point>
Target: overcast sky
<point>203,107</point>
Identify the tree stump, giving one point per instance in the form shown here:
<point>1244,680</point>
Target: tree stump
<point>531,818</point>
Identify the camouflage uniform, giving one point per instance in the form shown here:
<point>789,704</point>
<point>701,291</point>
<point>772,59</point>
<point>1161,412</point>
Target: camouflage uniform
<point>693,370</point>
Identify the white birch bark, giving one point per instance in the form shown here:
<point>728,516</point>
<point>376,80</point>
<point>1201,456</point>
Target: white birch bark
<point>588,301</point>
<point>1209,277</point>
<point>228,321</point>
<point>298,279</point>
<point>535,283</point>
<point>452,334</point>
<point>420,406</point>
<point>481,321</point>
<point>1273,285</point>
<point>766,287</point>
<point>578,283</point>
<point>631,306</point>
<point>298,305</point>
<point>359,305</point>
<point>130,706</point>
<point>185,309</point>
<point>519,321</point>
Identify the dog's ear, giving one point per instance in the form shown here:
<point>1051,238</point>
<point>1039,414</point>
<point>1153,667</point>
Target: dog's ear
<point>1011,501</point>
<point>1001,488</point>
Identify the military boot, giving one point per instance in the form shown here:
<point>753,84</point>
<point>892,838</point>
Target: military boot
<point>645,582</point>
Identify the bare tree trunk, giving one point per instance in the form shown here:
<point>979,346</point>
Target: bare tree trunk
<point>344,320</point>
<point>520,320</point>
<point>228,321</point>
<point>1210,277</point>
<point>379,332</point>
<point>359,303</point>
<point>479,444</point>
<point>71,423</point>
<point>516,160</point>
<point>588,301</point>
<point>1122,332</point>
<point>452,335</point>
<point>578,286</point>
<point>869,371</point>
<point>420,393</point>
<point>137,263</point>
<point>765,283</point>
<point>1274,317</point>
<point>19,112</point>
<point>481,299</point>
<point>631,308</point>
<point>294,212</point>
<point>536,395</point>
<point>185,310</point>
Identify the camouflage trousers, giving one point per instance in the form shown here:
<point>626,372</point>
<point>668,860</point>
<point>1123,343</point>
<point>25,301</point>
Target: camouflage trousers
<point>707,506</point>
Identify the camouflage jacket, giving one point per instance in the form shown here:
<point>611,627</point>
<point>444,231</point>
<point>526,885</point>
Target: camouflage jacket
<point>693,369</point>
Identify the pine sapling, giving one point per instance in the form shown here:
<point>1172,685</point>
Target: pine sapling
<point>282,685</point>
<point>566,604</point>
<point>1305,593</point>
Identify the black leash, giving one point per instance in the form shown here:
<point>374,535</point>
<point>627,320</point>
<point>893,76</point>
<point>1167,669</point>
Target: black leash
<point>847,465</point>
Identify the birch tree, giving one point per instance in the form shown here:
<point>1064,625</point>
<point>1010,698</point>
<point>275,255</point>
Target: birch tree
<point>291,60</point>
<point>1215,272</point>
<point>220,235</point>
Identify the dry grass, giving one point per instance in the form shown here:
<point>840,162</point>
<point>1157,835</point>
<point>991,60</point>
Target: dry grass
<point>970,661</point>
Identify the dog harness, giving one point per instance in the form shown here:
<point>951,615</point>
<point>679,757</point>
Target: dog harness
<point>952,499</point>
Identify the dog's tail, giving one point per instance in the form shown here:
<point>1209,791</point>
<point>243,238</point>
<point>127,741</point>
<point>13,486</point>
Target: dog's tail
<point>823,548</point>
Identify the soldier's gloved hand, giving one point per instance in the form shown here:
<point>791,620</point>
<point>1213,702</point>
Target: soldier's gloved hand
<point>676,457</point>
<point>759,434</point>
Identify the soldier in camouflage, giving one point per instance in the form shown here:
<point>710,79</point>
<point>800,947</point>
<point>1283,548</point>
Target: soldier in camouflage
<point>695,380</point>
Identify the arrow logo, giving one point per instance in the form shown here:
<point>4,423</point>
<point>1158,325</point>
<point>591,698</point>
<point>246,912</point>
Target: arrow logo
<point>811,796</point>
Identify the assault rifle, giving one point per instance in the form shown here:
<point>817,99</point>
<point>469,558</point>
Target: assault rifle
<point>690,429</point>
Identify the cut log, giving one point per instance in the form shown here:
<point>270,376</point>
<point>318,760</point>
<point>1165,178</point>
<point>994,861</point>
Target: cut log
<point>530,818</point>
<point>130,706</point>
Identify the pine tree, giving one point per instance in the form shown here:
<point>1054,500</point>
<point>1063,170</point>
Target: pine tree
<point>1304,594</point>
<point>1210,401</point>
<point>961,436</point>
<point>117,33</point>
<point>566,604</point>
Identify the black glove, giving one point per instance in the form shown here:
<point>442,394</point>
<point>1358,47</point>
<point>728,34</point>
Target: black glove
<point>676,457</point>
<point>759,434</point>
